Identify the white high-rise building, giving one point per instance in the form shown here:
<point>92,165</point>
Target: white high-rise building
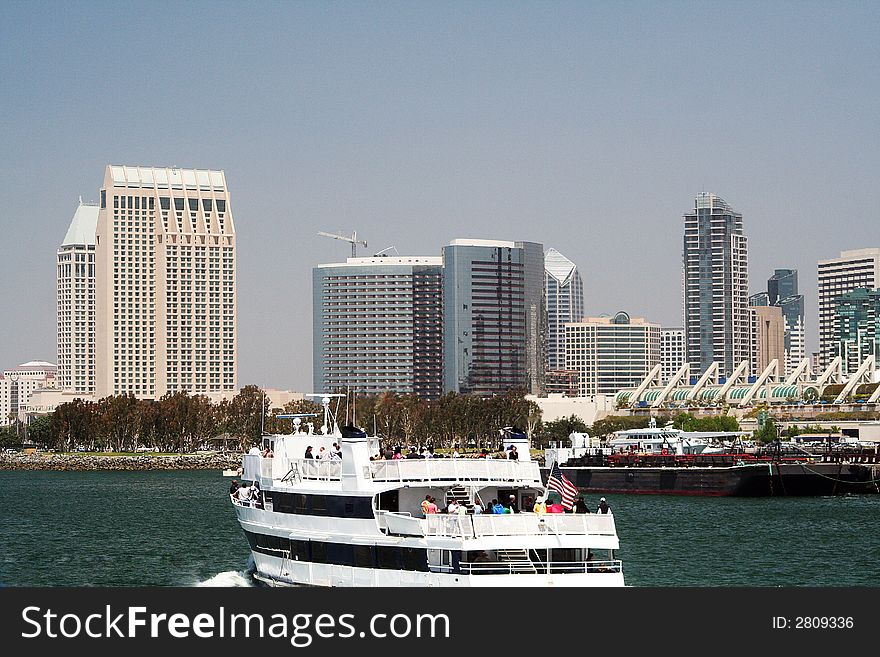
<point>165,283</point>
<point>716,284</point>
<point>673,353</point>
<point>76,302</point>
<point>857,269</point>
<point>611,353</point>
<point>564,289</point>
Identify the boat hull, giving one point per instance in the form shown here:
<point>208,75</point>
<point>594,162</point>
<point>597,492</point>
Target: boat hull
<point>278,571</point>
<point>751,480</point>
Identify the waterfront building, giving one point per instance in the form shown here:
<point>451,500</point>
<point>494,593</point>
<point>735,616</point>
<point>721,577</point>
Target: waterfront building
<point>767,337</point>
<point>673,352</point>
<point>611,353</point>
<point>378,326</point>
<point>165,283</point>
<point>493,316</point>
<point>852,270</point>
<point>715,274</point>
<point>856,333</point>
<point>17,384</point>
<point>564,291</point>
<point>75,292</point>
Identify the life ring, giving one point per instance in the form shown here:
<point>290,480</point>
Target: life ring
<point>664,451</point>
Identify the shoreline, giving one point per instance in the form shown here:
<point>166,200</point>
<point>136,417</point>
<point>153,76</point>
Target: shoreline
<point>91,462</point>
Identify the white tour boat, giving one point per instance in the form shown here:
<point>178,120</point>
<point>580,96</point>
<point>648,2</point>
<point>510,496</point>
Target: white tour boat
<point>357,519</point>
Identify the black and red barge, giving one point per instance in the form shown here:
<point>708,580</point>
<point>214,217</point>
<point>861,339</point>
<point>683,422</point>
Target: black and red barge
<point>724,474</point>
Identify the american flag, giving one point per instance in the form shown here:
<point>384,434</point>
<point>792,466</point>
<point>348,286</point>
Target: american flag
<point>558,482</point>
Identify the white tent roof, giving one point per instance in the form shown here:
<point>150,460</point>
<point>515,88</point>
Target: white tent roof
<point>83,225</point>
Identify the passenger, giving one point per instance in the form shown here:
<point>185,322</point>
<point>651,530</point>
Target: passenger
<point>453,507</point>
<point>513,455</point>
<point>556,507</point>
<point>433,508</point>
<point>484,453</point>
<point>337,451</point>
<point>512,505</point>
<point>430,454</point>
<point>389,454</point>
<point>603,506</point>
<point>426,505</point>
<point>322,453</point>
<point>580,506</point>
<point>455,453</point>
<point>256,496</point>
<point>244,495</point>
<point>497,507</point>
<point>462,510</point>
<point>477,508</point>
<point>233,488</point>
<point>397,454</point>
<point>413,454</point>
<point>308,454</point>
<point>267,453</point>
<point>540,506</point>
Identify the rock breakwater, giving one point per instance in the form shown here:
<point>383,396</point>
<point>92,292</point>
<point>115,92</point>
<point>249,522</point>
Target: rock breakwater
<point>50,461</point>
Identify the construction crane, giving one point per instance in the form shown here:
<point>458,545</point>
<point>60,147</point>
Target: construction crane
<point>346,238</point>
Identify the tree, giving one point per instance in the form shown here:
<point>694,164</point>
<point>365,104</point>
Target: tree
<point>559,430</point>
<point>39,431</point>
<point>767,433</point>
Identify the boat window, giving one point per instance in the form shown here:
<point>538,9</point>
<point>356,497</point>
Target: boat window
<point>299,550</point>
<point>319,552</point>
<point>340,553</point>
<point>414,559</point>
<point>319,505</point>
<point>388,557</point>
<point>363,556</point>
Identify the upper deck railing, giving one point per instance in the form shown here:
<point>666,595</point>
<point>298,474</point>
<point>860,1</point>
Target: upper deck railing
<point>430,471</point>
<point>517,524</point>
<point>452,470</point>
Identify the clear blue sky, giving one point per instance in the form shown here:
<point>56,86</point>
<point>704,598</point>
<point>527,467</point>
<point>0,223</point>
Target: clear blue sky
<point>588,127</point>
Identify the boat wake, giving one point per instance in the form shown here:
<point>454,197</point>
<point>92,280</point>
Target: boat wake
<point>233,578</point>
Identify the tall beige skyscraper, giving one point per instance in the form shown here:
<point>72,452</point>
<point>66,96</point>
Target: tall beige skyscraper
<point>165,283</point>
<point>76,302</point>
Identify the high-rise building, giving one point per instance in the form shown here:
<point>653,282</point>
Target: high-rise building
<point>75,284</point>
<point>165,283</point>
<point>378,326</point>
<point>493,316</point>
<point>837,276</point>
<point>716,282</point>
<point>767,337</point>
<point>564,290</point>
<point>782,291</point>
<point>611,353</point>
<point>672,351</point>
<point>856,333</point>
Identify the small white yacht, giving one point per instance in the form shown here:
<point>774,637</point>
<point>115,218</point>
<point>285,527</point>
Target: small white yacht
<point>354,518</point>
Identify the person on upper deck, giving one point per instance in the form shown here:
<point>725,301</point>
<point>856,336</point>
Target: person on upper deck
<point>397,454</point>
<point>497,507</point>
<point>308,454</point>
<point>540,506</point>
<point>603,506</point>
<point>426,505</point>
<point>512,454</point>
<point>580,506</point>
<point>233,488</point>
<point>512,505</point>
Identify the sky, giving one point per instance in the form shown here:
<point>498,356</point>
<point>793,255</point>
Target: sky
<point>586,126</point>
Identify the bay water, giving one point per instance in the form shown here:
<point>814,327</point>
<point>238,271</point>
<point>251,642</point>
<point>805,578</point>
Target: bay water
<point>177,528</point>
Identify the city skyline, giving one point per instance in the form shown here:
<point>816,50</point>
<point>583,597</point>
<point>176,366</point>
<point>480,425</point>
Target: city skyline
<point>415,126</point>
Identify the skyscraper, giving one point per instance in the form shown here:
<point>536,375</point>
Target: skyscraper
<point>837,276</point>
<point>378,326</point>
<point>564,290</point>
<point>716,281</point>
<point>75,287</point>
<point>672,351</point>
<point>493,317</point>
<point>767,337</point>
<point>856,332</point>
<point>782,289</point>
<point>165,283</point>
<point>782,292</point>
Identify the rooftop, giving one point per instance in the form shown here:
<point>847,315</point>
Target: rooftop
<point>83,225</point>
